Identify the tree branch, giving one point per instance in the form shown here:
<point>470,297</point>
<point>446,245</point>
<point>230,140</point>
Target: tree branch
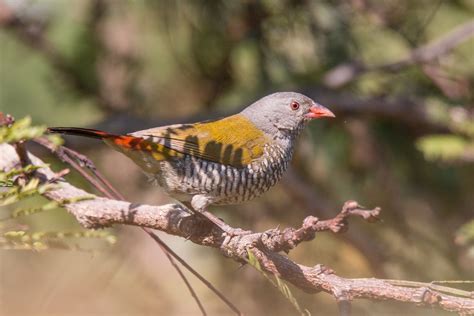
<point>174,219</point>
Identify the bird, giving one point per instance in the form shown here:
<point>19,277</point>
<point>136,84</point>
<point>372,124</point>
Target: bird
<point>222,161</point>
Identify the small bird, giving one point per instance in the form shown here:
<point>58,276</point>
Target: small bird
<point>224,161</point>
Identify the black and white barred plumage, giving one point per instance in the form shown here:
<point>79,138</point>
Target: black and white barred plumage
<point>186,177</point>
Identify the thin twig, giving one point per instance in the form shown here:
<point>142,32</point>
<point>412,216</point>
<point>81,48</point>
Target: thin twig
<point>173,263</point>
<point>345,73</point>
<point>433,285</point>
<point>344,307</point>
<point>203,280</point>
<point>65,154</point>
<point>61,154</point>
<point>427,20</point>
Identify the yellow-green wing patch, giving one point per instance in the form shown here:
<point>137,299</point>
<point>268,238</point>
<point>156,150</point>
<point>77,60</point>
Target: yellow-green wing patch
<point>231,141</point>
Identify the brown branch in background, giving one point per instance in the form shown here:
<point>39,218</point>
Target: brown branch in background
<point>174,219</point>
<point>32,34</point>
<point>345,73</point>
<point>453,87</point>
<point>436,48</point>
<point>343,104</point>
<point>390,108</point>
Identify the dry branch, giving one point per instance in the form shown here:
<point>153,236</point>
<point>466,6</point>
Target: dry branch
<point>174,219</point>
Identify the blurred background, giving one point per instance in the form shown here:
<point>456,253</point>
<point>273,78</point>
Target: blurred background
<point>399,75</point>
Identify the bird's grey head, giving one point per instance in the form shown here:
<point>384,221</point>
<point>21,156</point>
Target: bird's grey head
<point>284,113</point>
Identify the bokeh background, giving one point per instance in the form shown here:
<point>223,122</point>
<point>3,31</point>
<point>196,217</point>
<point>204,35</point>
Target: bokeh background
<point>403,139</point>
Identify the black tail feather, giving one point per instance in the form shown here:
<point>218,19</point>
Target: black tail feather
<point>77,131</point>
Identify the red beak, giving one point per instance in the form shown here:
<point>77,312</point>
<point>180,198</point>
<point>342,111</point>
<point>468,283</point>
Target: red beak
<point>317,111</point>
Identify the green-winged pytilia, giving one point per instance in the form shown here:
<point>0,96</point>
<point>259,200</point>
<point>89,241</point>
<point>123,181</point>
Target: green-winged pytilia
<point>224,161</point>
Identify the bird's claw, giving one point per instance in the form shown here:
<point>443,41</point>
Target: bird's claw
<point>230,233</point>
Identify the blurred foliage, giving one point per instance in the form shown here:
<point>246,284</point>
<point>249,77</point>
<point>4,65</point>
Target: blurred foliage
<point>465,236</point>
<point>445,147</point>
<point>131,64</point>
<point>457,146</point>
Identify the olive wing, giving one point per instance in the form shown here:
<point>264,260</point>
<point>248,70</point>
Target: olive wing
<point>233,141</point>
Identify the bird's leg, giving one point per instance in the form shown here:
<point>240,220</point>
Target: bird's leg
<point>208,216</point>
<point>198,207</point>
<point>229,232</point>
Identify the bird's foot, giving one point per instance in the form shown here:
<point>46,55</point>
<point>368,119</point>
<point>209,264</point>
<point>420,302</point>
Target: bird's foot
<point>230,233</point>
<point>233,232</point>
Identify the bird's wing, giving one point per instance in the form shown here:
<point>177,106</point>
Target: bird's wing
<point>233,140</point>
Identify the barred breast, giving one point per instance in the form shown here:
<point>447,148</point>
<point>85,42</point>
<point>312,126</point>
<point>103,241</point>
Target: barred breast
<point>188,176</point>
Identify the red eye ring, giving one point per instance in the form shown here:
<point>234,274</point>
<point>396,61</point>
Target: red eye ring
<point>294,105</point>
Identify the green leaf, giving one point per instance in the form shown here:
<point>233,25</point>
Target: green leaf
<point>20,130</point>
<point>465,234</point>
<point>443,147</point>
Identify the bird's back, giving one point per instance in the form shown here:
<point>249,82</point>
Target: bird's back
<point>233,141</point>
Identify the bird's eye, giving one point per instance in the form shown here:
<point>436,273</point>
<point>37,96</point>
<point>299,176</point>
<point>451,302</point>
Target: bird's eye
<point>294,105</point>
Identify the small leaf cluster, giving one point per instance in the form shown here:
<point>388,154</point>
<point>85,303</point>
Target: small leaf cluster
<point>19,185</point>
<point>22,130</point>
